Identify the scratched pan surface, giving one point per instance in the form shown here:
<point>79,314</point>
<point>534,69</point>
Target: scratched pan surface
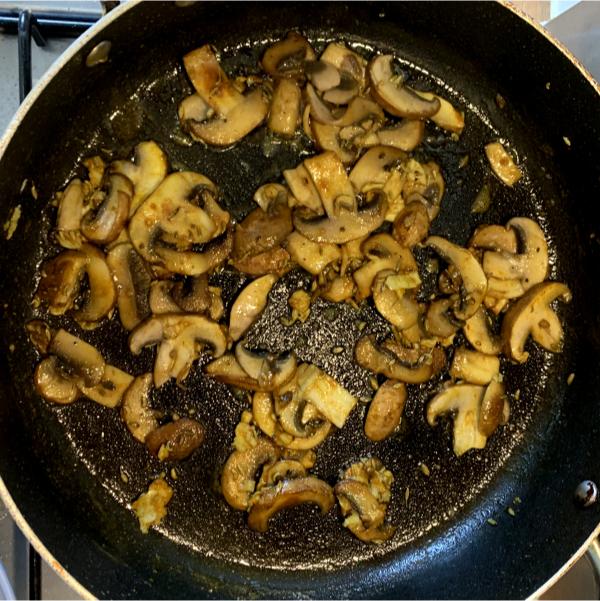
<point>64,466</point>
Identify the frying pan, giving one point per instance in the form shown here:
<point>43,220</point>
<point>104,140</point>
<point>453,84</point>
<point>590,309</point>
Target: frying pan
<point>61,466</point>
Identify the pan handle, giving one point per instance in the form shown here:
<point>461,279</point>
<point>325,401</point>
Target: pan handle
<point>593,554</point>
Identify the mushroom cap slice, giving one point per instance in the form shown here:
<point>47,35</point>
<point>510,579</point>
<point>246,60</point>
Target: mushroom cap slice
<point>275,260</point>
<point>269,370</point>
<point>465,401</point>
<point>176,440</point>
<point>146,172</point>
<point>347,225</point>
<point>438,321</point>
<point>502,164</point>
<point>495,237</point>
<point>287,57</point>
<point>111,388</point>
<point>79,360</point>
<point>132,278</point>
<point>346,61</point>
<point>492,408</point>
<point>240,121</point>
<point>238,477</point>
<point>52,385</point>
<point>396,98</point>
<point>289,493</point>
<point>249,304</point>
<point>411,225</point>
<point>529,313</point>
<point>474,282</point>
<point>474,367</point>
<point>447,117</point>
<point>385,410</point>
<point>392,301</point>
<point>477,332</point>
<point>135,410</point>
<point>303,189</point>
<point>311,256</point>
<point>226,369</point>
<point>70,212</point>
<point>193,108</point>
<point>405,136</point>
<point>374,167</point>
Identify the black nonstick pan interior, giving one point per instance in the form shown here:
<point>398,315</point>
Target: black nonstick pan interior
<point>77,464</point>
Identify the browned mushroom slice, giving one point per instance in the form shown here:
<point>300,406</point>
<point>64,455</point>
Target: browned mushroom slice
<point>422,182</point>
<point>284,115</point>
<point>226,369</point>
<point>52,385</point>
<point>346,61</point>
<point>361,500</point>
<point>310,255</point>
<point>503,164</point>
<point>238,480</point>
<point>474,282</point>
<point>193,108</point>
<point>385,410</point>
<point>40,335</point>
<point>181,338</point>
<point>374,167</point>
<point>477,331</point>
<point>474,367</point>
<point>136,411</point>
<point>447,117</point>
<point>340,289</point>
<point>70,212</point>
<point>464,401</point>
<point>530,314</point>
<point>287,57</point>
<point>79,360</point>
<point>383,361</point>
<point>275,260</point>
<point>394,97</point>
<point>392,297</point>
<point>344,92</point>
<point>263,413</point>
<point>439,321</point>
<point>111,388</point>
<point>495,237</point>
<point>210,81</point>
<point>132,278</point>
<point>284,469</point>
<point>270,370</point>
<point>493,409</point>
<point>249,304</point>
<point>146,172</point>
<point>303,190</point>
<point>327,139</point>
<point>347,225</point>
<point>289,493</point>
<point>176,440</point>
<point>406,136</point>
<point>411,226</point>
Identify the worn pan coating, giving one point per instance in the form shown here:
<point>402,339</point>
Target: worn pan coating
<point>62,465</point>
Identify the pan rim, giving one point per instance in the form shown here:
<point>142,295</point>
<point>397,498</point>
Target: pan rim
<point>5,141</point>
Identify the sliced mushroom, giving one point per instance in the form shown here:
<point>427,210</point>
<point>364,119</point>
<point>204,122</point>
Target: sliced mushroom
<point>327,395</point>
<point>495,237</point>
<point>340,289</point>
<point>176,440</point>
<point>385,410</point>
<point>465,401</point>
<point>447,117</point>
<point>263,414</point>
<point>503,164</point>
<point>210,81</point>
<point>270,371</point>
<point>474,367</point>
<point>405,136</point>
<point>311,256</point>
<point>344,92</point>
<point>374,167</point>
<point>382,252</point>
<point>193,108</point>
<point>136,411</point>
<point>493,407</point>
<point>422,182</point>
<point>239,122</point>
<point>160,299</point>
<point>284,469</point>
<point>192,294</point>
<point>111,388</point>
<point>392,299</point>
<point>474,282</point>
<point>323,75</point>
<point>40,335</point>
<point>303,189</point>
<point>268,196</point>
<point>529,316</point>
<point>477,331</point>
<point>52,385</point>
<point>70,212</point>
<point>530,266</point>
<point>359,498</point>
<point>383,361</point>
<point>132,278</point>
<point>348,225</point>
<point>275,260</point>
<point>346,61</point>
<point>146,172</point>
<point>327,138</point>
<point>226,369</point>
<point>287,57</point>
<point>439,321</point>
<point>238,478</point>
<point>289,493</point>
<point>411,226</point>
<point>78,360</point>
<point>249,304</point>
<point>181,338</point>
<point>394,97</point>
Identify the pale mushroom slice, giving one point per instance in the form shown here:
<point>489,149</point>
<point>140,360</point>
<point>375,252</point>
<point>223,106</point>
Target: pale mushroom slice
<point>70,211</point>
<point>477,331</point>
<point>347,61</point>
<point>238,479</point>
<point>422,182</point>
<point>447,117</point>
<point>284,114</point>
<point>374,168</point>
<point>287,57</point>
<point>474,367</point>
<point>323,75</point>
<point>474,281</point>
<point>249,304</point>
<point>226,369</point>
<point>210,81</point>
<point>268,196</point>
<point>132,278</point>
<point>146,171</point>
<point>495,237</point>
<point>529,316</point>
<point>289,493</point>
<point>111,388</point>
<point>411,225</point>
<point>405,136</point>
<point>464,401</point>
<point>312,256</point>
<point>530,266</point>
<point>396,98</point>
<point>303,189</point>
<point>52,385</point>
<point>136,412</point>
<point>385,410</point>
<point>269,370</point>
<point>393,299</point>
<point>181,339</point>
<point>326,394</point>
<point>502,164</point>
<point>193,108</point>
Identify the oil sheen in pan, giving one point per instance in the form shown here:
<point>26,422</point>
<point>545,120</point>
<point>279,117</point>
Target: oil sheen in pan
<point>197,515</point>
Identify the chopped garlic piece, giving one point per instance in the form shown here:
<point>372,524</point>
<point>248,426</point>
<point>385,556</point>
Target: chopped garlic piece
<point>151,507</point>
